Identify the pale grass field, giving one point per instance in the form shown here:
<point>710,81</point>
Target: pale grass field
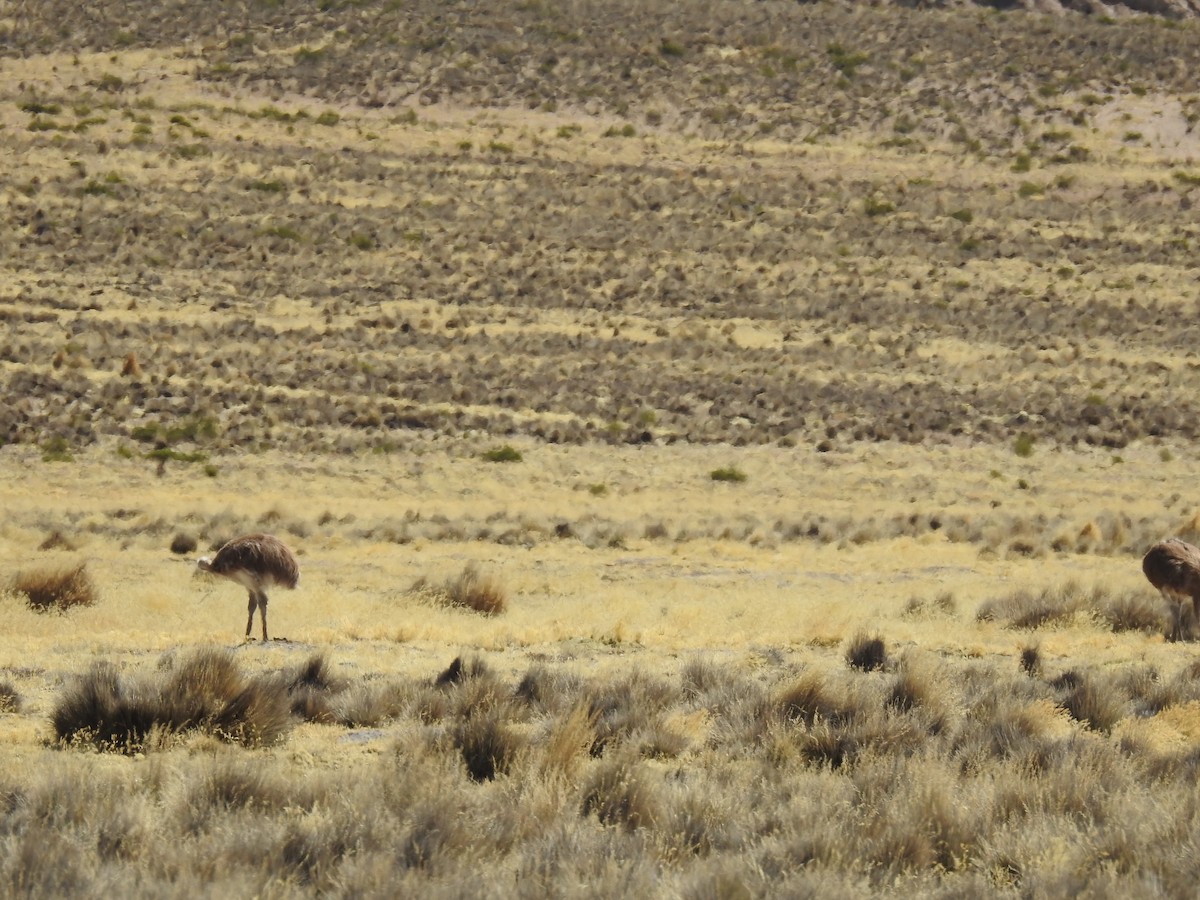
<point>669,688</point>
<point>645,602</point>
<point>650,611</point>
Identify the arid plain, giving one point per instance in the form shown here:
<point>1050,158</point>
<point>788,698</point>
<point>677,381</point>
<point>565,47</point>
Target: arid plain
<point>806,382</point>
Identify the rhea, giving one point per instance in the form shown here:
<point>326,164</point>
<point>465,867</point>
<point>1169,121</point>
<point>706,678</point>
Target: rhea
<point>1173,567</point>
<point>256,562</point>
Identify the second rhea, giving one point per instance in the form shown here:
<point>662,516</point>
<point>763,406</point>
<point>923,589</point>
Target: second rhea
<point>1173,567</point>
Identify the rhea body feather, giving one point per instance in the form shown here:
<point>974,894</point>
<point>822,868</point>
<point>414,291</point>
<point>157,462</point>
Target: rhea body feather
<point>1173,568</point>
<point>256,562</point>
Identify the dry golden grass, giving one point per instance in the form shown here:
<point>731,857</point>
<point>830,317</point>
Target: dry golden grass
<point>55,589</point>
<point>798,456</point>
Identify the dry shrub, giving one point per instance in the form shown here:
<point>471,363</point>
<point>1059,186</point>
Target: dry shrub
<point>1087,697</point>
<point>866,653</point>
<point>56,589</point>
<point>944,604</point>
<point>1031,660</point>
<point>10,700</point>
<point>1138,611</point>
<point>621,792</point>
<point>229,787</point>
<point>917,685</point>
<point>550,690</point>
<point>1026,609</point>
<point>312,688</point>
<point>1008,728</point>
<point>183,543</point>
<point>205,693</point>
<point>628,707</point>
<point>812,698</point>
<point>568,741</point>
<point>471,590</point>
<point>488,746</point>
<point>459,671</point>
<point>56,540</point>
<point>1127,611</point>
<point>365,706</point>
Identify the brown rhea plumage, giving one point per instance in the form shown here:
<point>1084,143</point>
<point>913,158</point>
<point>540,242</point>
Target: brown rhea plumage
<point>1173,567</point>
<point>256,562</point>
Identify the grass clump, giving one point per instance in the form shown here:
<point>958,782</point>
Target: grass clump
<point>471,589</point>
<point>844,60</point>
<point>206,692</point>
<point>866,652</point>
<point>183,543</point>
<point>56,589</point>
<point>1034,609</point>
<point>506,453</point>
<point>10,700</point>
<point>57,449</point>
<point>731,474</point>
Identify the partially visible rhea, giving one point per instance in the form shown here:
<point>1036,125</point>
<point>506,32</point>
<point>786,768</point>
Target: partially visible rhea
<point>1173,567</point>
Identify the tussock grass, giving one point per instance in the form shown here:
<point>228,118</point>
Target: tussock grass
<point>1129,610</point>
<point>866,652</point>
<point>183,543</point>
<point>58,589</point>
<point>470,589</point>
<point>10,699</point>
<point>204,692</point>
<point>313,690</point>
<point>1092,698</point>
<point>870,780</point>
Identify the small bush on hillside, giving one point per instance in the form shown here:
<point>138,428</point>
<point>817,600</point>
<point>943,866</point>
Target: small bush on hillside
<point>728,473</point>
<point>503,454</point>
<point>56,589</point>
<point>57,449</point>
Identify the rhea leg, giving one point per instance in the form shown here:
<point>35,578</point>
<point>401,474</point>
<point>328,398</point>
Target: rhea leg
<point>253,606</point>
<point>262,608</point>
<point>1195,612</point>
<point>1178,605</point>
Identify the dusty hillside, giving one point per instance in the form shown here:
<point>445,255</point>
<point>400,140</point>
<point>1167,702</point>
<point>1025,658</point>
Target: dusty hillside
<point>330,228</point>
<point>800,384</point>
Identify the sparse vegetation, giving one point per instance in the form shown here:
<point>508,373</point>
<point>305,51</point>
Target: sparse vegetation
<point>204,692</point>
<point>863,671</point>
<point>728,473</point>
<point>56,589</point>
<point>505,453</point>
<point>470,589</point>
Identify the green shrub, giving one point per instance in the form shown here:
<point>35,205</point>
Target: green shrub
<point>505,453</point>
<point>728,473</point>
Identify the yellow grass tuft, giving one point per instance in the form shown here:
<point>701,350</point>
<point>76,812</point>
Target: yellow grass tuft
<point>471,589</point>
<point>56,589</point>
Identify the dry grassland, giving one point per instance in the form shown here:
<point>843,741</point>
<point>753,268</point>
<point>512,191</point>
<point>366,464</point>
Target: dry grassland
<point>801,386</point>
